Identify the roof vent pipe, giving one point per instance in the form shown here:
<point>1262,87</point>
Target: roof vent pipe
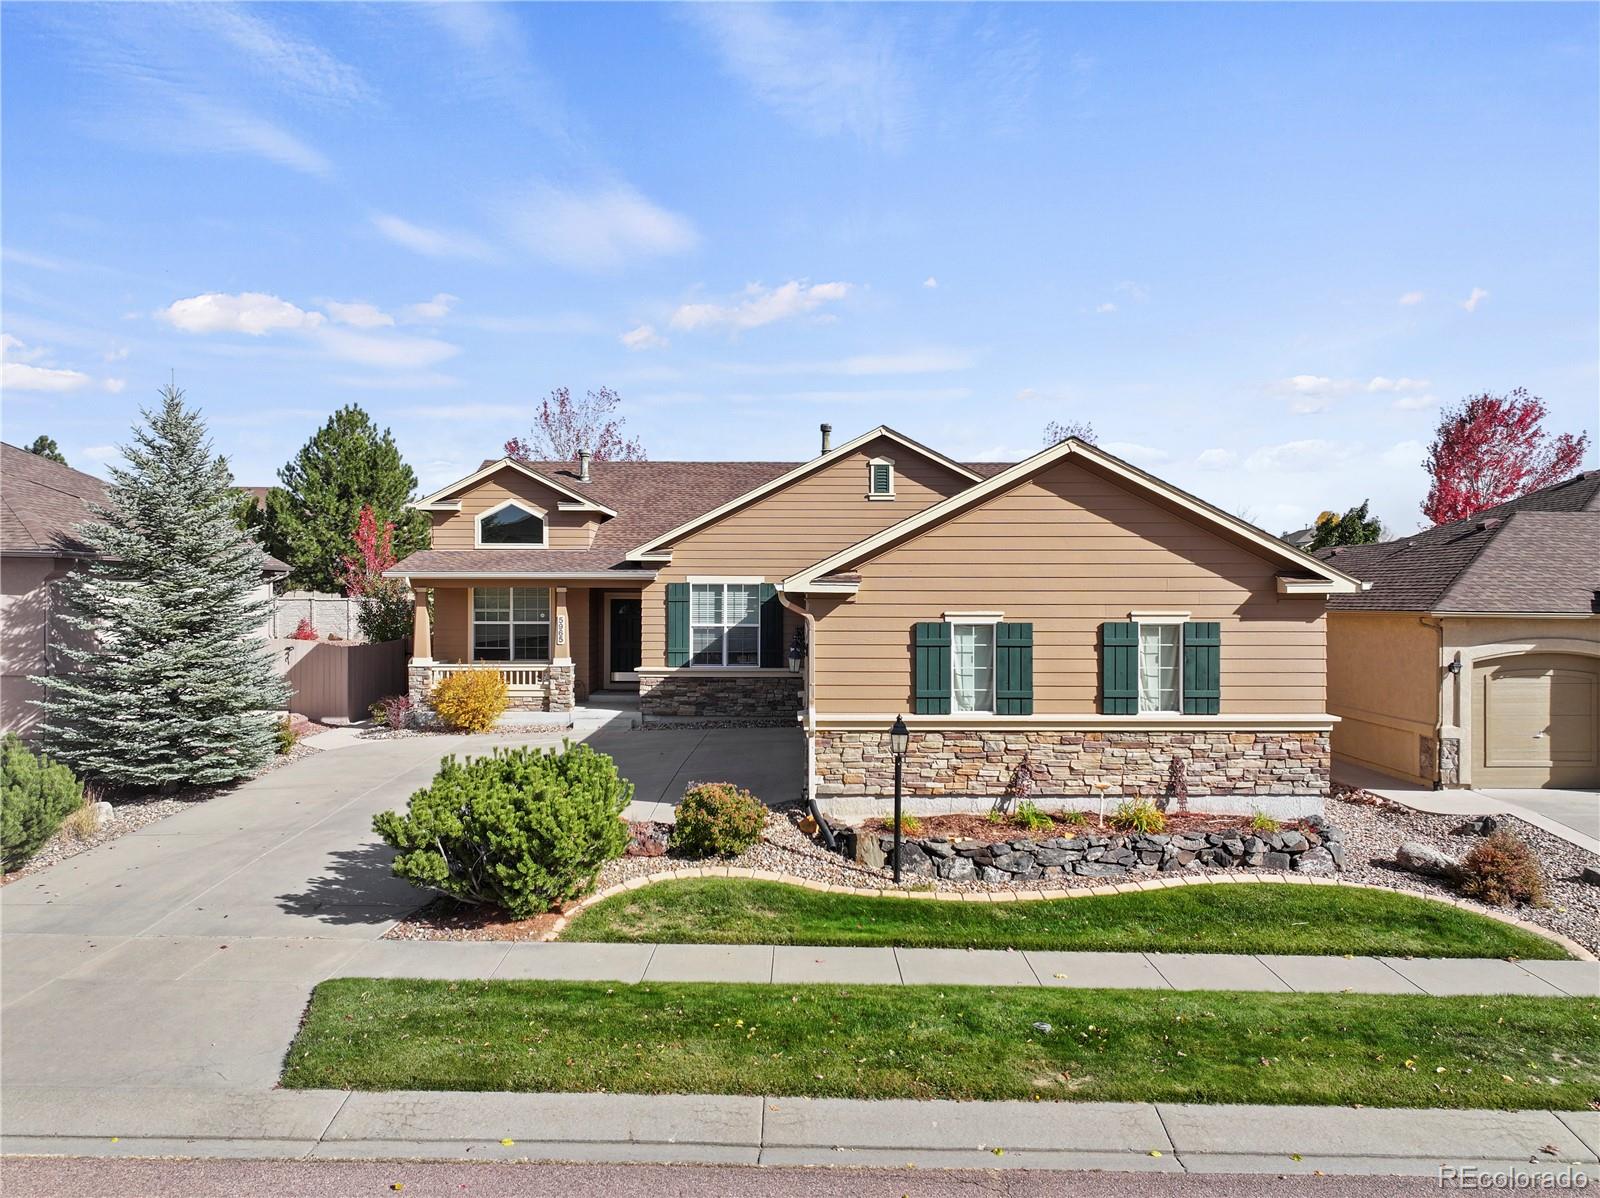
<point>583,465</point>
<point>827,437</point>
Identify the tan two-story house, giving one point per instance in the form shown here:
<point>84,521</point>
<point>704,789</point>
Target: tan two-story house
<point>1068,611</point>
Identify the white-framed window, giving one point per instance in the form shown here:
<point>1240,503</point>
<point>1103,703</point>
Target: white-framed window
<point>972,661</point>
<point>511,624</point>
<point>513,524</point>
<point>880,479</point>
<point>724,624</point>
<point>1160,661</point>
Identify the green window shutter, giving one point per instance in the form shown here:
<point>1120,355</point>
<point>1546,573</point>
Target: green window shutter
<point>1202,667</point>
<point>771,627</point>
<point>931,668</point>
<point>1013,669</point>
<point>677,623</point>
<point>1119,667</point>
<point>880,480</point>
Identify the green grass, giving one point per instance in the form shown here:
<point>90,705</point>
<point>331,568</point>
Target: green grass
<point>961,1042</point>
<point>1256,917</point>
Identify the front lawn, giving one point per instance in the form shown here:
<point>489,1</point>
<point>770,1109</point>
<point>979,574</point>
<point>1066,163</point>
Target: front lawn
<point>1260,917</point>
<point>962,1042</point>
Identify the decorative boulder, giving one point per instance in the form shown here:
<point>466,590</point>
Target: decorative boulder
<point>1420,858</point>
<point>1316,861</point>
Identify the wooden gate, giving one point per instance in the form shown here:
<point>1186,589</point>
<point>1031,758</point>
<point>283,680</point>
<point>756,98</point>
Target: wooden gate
<point>339,681</point>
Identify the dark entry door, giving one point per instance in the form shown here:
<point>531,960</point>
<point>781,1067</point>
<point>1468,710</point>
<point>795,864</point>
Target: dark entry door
<point>624,638</point>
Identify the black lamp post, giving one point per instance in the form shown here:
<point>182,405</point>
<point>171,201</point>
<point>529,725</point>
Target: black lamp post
<point>899,742</point>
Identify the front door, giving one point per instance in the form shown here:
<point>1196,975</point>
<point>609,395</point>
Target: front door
<point>622,637</point>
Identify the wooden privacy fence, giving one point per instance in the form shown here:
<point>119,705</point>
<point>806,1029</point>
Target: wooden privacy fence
<point>337,680</point>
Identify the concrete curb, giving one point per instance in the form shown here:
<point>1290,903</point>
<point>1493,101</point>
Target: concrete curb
<point>1159,882</point>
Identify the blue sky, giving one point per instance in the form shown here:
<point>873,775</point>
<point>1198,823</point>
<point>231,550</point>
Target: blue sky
<point>1255,246</point>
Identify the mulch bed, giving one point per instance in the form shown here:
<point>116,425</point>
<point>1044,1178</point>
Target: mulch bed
<point>451,919</point>
<point>966,826</point>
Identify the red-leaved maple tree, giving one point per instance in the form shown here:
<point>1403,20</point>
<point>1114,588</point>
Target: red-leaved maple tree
<point>1491,448</point>
<point>363,571</point>
<point>564,425</point>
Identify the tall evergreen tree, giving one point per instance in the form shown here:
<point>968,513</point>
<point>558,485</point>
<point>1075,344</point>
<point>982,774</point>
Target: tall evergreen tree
<point>1352,528</point>
<point>168,680</point>
<point>46,447</point>
<point>346,466</point>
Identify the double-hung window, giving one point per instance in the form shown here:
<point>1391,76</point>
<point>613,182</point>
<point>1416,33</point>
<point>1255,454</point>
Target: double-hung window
<point>725,624</point>
<point>1160,657</point>
<point>511,624</point>
<point>972,667</point>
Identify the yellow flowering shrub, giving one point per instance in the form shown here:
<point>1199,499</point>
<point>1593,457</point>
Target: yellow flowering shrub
<point>471,700</point>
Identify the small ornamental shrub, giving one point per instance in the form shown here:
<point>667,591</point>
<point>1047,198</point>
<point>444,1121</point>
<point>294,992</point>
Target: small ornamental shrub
<point>305,630</point>
<point>1028,815</point>
<point>717,819</point>
<point>1500,870</point>
<point>287,735</point>
<point>1137,815</point>
<point>910,825</point>
<point>1262,822</point>
<point>36,794</point>
<point>1178,784</point>
<point>523,829</point>
<point>1077,819</point>
<point>995,816</point>
<point>395,711</point>
<point>471,700</point>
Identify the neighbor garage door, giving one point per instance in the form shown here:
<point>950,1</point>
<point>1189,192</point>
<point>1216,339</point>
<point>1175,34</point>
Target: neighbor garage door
<point>1537,721</point>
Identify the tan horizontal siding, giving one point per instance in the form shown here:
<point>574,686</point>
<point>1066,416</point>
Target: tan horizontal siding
<point>1067,551</point>
<point>564,530</point>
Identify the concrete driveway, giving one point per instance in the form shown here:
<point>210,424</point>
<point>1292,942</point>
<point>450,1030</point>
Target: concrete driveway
<point>183,954</point>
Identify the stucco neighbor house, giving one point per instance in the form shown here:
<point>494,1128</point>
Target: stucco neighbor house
<point>1473,658</point>
<point>1069,610</point>
<point>41,504</point>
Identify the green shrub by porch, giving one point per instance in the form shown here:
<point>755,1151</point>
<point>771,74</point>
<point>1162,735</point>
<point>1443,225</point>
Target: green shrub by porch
<point>716,819</point>
<point>37,794</point>
<point>523,829</point>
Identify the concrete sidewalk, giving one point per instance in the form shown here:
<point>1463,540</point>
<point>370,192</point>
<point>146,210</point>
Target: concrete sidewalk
<point>1169,1137</point>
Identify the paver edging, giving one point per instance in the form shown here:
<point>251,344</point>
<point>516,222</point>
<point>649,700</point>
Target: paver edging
<point>1027,896</point>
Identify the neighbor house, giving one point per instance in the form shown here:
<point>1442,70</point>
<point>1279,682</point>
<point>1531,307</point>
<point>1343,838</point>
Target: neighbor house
<point>1473,658</point>
<point>41,504</point>
<point>1069,612</point>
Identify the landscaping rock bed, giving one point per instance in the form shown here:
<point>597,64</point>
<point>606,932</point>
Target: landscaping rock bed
<point>1315,848</point>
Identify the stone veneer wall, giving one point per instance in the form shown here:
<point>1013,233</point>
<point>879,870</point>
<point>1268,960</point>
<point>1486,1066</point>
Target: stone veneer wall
<point>749,697</point>
<point>981,763</point>
<point>557,696</point>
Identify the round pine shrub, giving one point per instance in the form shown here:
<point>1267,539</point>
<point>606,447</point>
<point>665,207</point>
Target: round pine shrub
<point>36,794</point>
<point>1500,870</point>
<point>523,830</point>
<point>471,700</point>
<point>716,819</point>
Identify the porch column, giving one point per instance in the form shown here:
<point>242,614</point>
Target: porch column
<point>560,684</point>
<point>421,626</point>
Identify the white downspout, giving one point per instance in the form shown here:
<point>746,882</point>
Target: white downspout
<point>809,719</point>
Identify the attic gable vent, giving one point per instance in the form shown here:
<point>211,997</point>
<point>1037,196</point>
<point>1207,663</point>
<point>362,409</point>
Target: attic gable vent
<point>1490,522</point>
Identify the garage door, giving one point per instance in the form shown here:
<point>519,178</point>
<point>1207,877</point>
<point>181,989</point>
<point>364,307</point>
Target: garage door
<point>1537,721</point>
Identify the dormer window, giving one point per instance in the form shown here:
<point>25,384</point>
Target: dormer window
<point>512,524</point>
<point>880,479</point>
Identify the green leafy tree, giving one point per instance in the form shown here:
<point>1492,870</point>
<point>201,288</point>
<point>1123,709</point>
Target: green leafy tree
<point>46,447</point>
<point>167,681</point>
<point>1352,528</point>
<point>347,465</point>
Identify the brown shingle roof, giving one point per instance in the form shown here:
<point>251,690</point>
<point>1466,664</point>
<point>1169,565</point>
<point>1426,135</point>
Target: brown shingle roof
<point>1539,553</point>
<point>40,501</point>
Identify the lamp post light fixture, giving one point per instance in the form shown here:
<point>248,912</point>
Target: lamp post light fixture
<point>899,742</point>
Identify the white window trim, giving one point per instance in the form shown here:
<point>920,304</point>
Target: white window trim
<point>695,580</point>
<point>982,618</point>
<point>520,505</point>
<point>1158,619</point>
<point>872,465</point>
<point>511,627</point>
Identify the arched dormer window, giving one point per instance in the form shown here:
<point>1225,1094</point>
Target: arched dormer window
<point>514,524</point>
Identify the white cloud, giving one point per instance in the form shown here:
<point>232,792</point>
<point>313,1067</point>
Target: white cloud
<point>1415,403</point>
<point>99,453</point>
<point>115,386</point>
<point>1379,383</point>
<point>20,369</point>
<point>760,305</point>
<point>643,337</point>
<point>1134,291</point>
<point>1411,298</point>
<point>1311,393</point>
<point>602,228</point>
<point>930,282</point>
<point>1306,405</point>
<point>1477,297</point>
<point>1405,455</point>
<point>212,125</point>
<point>117,354</point>
<point>1296,455</point>
<point>930,361</point>
<point>828,71</point>
<point>251,312</point>
<point>1108,306</point>
<point>357,315</point>
<point>300,67</point>
<point>431,311</point>
<point>395,353</point>
<point>432,243</point>
<point>1145,454</point>
<point>1216,459</point>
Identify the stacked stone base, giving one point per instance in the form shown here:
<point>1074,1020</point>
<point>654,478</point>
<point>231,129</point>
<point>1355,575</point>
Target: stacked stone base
<point>558,693</point>
<point>1317,850</point>
<point>966,769</point>
<point>710,696</point>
